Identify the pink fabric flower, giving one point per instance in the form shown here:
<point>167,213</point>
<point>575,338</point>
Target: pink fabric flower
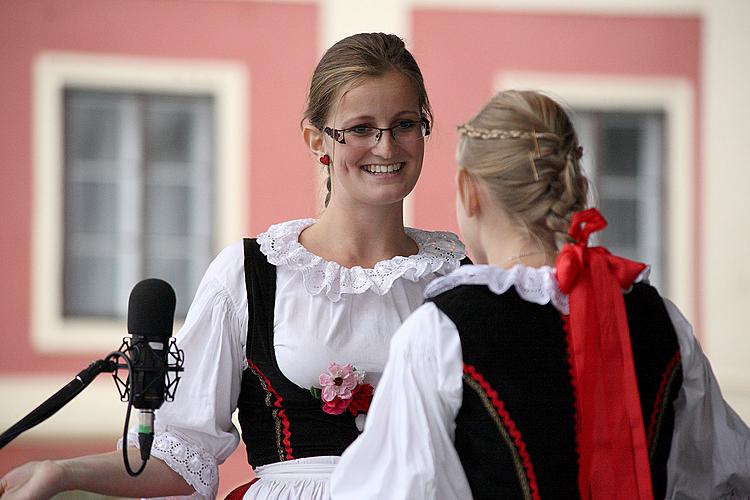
<point>336,406</point>
<point>343,388</point>
<point>337,381</point>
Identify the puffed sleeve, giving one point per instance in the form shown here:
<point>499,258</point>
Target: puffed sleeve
<point>710,454</point>
<point>406,450</point>
<point>194,433</point>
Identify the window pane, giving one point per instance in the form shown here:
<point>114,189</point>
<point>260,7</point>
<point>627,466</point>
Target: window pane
<point>171,128</point>
<point>168,210</point>
<point>620,149</point>
<point>89,286</point>
<point>91,207</point>
<point>94,121</point>
<point>622,216</point>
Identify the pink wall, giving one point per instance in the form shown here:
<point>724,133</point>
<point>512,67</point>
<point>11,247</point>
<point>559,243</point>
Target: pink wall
<point>461,53</point>
<point>248,32</point>
<point>241,31</point>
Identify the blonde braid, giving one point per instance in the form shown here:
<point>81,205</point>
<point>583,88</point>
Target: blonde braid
<point>522,145</point>
<point>570,198</point>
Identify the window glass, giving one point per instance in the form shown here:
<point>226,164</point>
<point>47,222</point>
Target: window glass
<point>624,159</point>
<point>138,196</point>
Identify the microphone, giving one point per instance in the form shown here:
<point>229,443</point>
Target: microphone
<point>150,320</point>
<point>150,355</point>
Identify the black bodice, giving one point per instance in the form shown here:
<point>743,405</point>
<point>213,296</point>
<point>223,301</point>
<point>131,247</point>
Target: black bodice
<point>516,429</point>
<point>279,420</point>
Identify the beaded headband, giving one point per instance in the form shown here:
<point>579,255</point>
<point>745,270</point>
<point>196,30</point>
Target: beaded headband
<point>494,133</point>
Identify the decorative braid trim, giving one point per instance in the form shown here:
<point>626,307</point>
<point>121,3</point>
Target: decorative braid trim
<point>660,402</point>
<point>508,431</point>
<point>281,421</point>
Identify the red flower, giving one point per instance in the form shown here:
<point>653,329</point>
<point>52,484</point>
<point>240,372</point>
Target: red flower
<point>360,400</point>
<point>336,406</point>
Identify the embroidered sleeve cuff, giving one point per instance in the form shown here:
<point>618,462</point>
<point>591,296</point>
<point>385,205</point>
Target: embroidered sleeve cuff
<point>193,463</point>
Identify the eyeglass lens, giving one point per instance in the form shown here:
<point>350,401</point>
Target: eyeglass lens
<point>370,136</point>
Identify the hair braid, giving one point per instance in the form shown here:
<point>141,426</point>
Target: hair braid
<point>524,147</point>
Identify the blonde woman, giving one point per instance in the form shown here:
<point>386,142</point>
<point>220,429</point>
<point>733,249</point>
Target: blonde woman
<point>550,369</point>
<point>292,328</point>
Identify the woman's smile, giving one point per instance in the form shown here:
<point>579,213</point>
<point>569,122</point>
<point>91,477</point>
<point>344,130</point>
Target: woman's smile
<point>384,170</point>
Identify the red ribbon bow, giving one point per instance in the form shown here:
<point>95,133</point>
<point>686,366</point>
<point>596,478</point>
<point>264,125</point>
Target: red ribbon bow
<point>611,436</point>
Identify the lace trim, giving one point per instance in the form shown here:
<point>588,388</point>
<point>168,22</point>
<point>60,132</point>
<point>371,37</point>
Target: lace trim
<point>193,463</point>
<point>537,285</point>
<point>439,252</point>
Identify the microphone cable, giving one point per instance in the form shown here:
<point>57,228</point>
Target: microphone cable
<point>129,389</point>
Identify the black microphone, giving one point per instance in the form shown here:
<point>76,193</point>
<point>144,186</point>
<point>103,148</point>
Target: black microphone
<point>150,321</point>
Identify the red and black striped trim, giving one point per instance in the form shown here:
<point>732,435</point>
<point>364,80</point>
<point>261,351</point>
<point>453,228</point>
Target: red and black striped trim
<point>507,429</point>
<point>660,402</point>
<point>283,444</point>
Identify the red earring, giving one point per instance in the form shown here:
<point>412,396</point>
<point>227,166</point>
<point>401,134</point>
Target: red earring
<point>325,160</point>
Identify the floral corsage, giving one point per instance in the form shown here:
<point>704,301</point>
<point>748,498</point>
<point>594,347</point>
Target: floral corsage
<point>343,388</point>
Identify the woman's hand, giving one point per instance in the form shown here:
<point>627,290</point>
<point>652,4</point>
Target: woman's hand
<point>103,474</point>
<point>33,480</point>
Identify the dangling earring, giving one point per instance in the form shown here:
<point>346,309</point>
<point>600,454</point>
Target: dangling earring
<point>325,160</point>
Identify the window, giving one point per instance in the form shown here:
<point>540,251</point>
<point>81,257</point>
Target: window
<point>138,184</point>
<point>624,160</point>
<point>140,168</point>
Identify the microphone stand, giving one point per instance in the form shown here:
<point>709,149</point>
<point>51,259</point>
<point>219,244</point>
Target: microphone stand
<point>126,389</point>
<point>59,399</point>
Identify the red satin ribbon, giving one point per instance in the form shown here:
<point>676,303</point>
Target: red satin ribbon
<point>611,437</point>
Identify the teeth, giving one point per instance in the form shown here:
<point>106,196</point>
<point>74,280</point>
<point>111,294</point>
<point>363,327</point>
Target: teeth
<point>383,169</point>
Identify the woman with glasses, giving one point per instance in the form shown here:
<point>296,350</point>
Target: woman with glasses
<point>292,328</point>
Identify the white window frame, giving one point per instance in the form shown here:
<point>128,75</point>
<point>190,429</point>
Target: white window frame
<point>226,82</point>
<point>675,98</point>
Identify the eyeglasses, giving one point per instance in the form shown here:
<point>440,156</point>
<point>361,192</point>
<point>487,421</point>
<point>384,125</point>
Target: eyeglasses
<point>365,136</point>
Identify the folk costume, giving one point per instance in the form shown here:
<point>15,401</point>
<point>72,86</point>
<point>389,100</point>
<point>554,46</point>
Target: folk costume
<point>528,383</point>
<point>262,356</point>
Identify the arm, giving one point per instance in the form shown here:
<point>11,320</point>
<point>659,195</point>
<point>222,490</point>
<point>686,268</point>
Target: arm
<point>195,433</point>
<point>406,450</point>
<point>710,454</point>
<point>103,474</point>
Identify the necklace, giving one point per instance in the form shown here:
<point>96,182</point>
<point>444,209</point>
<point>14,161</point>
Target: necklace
<point>520,256</point>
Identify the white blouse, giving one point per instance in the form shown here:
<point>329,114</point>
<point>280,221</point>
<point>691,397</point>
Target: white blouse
<point>323,312</point>
<point>406,450</point>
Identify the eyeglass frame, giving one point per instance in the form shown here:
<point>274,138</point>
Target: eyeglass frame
<point>333,132</point>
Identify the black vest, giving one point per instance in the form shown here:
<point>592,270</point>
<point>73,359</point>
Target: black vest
<point>279,420</point>
<point>516,430</point>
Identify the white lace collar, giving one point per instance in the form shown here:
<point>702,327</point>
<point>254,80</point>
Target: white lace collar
<point>537,285</point>
<point>439,253</point>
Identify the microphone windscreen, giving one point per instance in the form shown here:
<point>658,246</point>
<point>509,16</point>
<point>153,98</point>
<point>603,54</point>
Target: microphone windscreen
<point>151,309</point>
